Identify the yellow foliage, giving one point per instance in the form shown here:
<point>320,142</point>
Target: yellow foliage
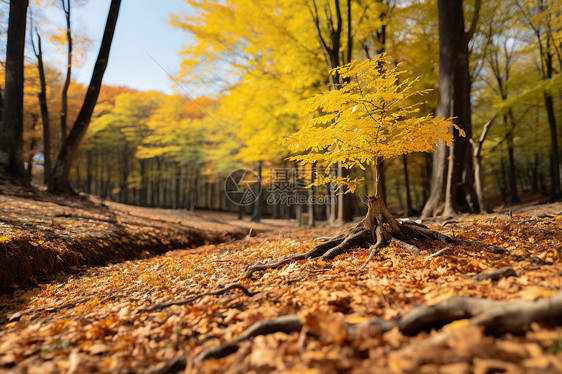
<point>374,115</point>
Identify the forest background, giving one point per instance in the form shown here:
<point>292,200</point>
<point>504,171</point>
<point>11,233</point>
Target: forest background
<point>263,59</point>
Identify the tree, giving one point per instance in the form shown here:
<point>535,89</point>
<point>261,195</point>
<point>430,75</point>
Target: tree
<point>541,17</point>
<point>66,7</point>
<point>59,179</point>
<point>453,168</point>
<point>11,140</point>
<point>477,158</point>
<point>42,97</point>
<point>502,53</point>
<point>330,33</point>
<point>373,117</point>
<point>274,54</point>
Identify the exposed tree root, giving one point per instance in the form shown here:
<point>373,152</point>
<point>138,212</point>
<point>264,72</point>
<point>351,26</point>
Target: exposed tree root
<point>219,291</point>
<point>496,274</point>
<point>435,316</point>
<point>173,366</point>
<point>286,324</point>
<point>377,230</point>
<point>496,317</point>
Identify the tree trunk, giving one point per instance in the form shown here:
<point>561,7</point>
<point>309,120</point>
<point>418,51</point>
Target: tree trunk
<point>534,170</point>
<point>436,201</point>
<point>143,193</point>
<point>194,194</point>
<point>123,175</point>
<point>11,139</point>
<point>332,205</point>
<point>378,229</point>
<point>311,216</point>
<point>344,199</point>
<point>256,214</point>
<point>508,121</point>
<point>382,178</point>
<point>89,173</point>
<point>479,182</point>
<point>31,153</point>
<point>177,185</point>
<point>45,121</point>
<point>409,210</point>
<point>64,96</point>
<point>502,183</point>
<point>59,181</point>
<point>477,154</point>
<point>426,178</point>
<point>454,101</point>
<point>555,191</point>
<point>331,45</point>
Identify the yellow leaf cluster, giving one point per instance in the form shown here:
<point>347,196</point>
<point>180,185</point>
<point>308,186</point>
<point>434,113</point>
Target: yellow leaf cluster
<point>374,115</point>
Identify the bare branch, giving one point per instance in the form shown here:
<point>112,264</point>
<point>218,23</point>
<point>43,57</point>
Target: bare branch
<point>472,28</point>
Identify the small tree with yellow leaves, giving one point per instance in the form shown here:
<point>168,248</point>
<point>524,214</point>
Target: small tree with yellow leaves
<point>374,115</point>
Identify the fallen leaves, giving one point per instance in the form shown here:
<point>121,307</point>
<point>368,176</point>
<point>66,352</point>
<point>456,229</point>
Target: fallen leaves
<point>329,326</point>
<point>95,322</point>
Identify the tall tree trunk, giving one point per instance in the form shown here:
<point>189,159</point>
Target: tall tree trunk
<point>477,154</point>
<point>512,174</point>
<point>256,214</point>
<point>331,46</point>
<point>311,216</point>
<point>503,181</point>
<point>124,174</point>
<point>555,191</point>
<point>378,182</point>
<point>89,172</point>
<point>344,200</point>
<point>409,210</point>
<point>31,153</point>
<point>194,192</point>
<point>45,121</point>
<point>332,206</point>
<point>59,181</point>
<point>177,185</point>
<point>426,178</point>
<point>64,95</point>
<point>11,139</point>
<point>511,170</point>
<point>534,169</point>
<point>454,101</point>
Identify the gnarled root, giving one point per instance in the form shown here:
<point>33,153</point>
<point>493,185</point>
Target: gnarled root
<point>496,317</point>
<point>378,229</point>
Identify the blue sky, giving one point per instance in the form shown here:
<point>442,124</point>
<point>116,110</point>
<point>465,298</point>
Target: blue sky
<point>142,31</point>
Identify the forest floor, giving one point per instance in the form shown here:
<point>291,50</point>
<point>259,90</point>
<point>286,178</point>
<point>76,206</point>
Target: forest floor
<point>45,237</point>
<point>335,318</point>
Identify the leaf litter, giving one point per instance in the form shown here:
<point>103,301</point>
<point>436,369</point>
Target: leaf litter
<point>98,321</point>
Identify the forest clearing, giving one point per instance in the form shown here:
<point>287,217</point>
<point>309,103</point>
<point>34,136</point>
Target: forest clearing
<point>281,186</point>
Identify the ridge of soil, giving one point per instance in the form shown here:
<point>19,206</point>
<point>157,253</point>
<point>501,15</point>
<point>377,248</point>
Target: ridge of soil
<point>44,237</point>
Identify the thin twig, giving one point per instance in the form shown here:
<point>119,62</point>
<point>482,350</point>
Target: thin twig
<point>440,252</point>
